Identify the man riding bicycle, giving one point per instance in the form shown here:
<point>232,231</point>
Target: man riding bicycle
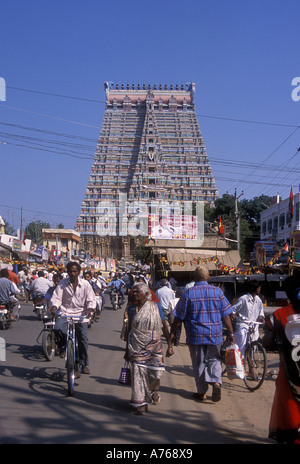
<point>74,297</point>
<point>250,307</point>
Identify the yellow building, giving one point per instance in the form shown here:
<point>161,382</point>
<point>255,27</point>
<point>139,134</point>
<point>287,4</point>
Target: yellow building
<point>2,226</point>
<point>64,241</point>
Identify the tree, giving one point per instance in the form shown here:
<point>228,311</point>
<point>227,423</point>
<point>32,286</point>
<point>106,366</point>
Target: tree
<point>9,230</point>
<point>249,211</point>
<point>141,250</point>
<point>33,231</point>
<point>224,209</point>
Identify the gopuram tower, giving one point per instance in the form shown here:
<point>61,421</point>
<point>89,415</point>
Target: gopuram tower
<point>150,148</point>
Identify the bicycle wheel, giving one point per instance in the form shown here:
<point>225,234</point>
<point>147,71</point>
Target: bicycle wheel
<point>255,364</point>
<point>48,344</point>
<point>70,367</point>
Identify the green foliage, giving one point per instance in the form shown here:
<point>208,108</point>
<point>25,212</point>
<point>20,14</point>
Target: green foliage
<point>9,229</point>
<point>249,211</point>
<point>141,250</point>
<point>33,231</point>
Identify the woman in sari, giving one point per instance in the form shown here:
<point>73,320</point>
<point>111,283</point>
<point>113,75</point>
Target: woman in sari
<point>284,426</point>
<point>144,348</point>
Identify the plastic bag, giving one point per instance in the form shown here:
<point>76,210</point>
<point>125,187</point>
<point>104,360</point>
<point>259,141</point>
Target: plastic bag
<point>234,363</point>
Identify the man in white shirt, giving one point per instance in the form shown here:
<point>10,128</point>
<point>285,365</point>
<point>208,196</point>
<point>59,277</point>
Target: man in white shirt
<point>251,307</point>
<point>101,280</point>
<point>165,295</point>
<point>40,285</point>
<point>74,297</point>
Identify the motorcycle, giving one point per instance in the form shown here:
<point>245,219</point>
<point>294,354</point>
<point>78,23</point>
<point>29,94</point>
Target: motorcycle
<point>49,342</point>
<point>39,307</point>
<point>116,298</point>
<point>5,316</point>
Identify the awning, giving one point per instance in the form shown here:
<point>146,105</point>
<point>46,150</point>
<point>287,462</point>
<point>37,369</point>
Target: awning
<point>5,251</point>
<point>181,259</point>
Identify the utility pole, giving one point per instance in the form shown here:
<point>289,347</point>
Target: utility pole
<point>21,229</point>
<point>237,217</point>
<point>56,248</point>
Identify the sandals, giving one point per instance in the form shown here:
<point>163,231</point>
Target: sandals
<point>155,397</point>
<point>199,396</point>
<point>140,410</point>
<point>216,394</point>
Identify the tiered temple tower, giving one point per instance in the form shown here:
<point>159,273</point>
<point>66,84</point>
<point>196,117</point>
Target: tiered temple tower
<point>150,147</point>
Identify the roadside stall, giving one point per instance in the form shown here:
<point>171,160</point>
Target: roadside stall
<point>174,259</point>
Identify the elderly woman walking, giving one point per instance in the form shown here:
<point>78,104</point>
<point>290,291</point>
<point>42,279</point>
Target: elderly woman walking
<point>144,348</point>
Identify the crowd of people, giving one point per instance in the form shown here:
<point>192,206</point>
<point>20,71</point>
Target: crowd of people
<point>204,311</point>
<point>151,313</point>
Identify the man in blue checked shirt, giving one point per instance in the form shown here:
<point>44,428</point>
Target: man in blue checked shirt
<point>204,309</point>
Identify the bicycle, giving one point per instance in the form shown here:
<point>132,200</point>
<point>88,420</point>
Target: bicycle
<point>72,354</point>
<point>255,359</point>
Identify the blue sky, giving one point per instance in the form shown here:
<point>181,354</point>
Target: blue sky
<point>241,55</point>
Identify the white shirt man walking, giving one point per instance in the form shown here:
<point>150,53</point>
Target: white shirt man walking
<point>165,295</point>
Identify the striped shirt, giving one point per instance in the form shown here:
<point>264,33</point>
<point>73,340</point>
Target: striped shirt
<point>202,308</point>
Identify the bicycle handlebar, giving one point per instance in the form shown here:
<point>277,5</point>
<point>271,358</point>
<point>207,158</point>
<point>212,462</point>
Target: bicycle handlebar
<point>244,319</point>
<point>76,318</point>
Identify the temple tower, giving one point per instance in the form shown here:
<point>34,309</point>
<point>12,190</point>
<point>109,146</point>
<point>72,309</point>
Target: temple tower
<point>150,147</point>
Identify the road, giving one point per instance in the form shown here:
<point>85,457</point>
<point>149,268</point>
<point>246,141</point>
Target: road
<point>35,408</point>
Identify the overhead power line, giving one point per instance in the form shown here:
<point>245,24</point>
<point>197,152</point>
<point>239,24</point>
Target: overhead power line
<point>93,100</point>
<point>48,116</point>
<point>55,95</point>
<point>83,150</point>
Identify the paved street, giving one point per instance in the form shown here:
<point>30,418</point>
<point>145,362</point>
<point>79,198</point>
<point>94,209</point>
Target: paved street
<point>35,407</point>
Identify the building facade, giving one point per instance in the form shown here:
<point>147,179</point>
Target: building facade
<point>150,149</point>
<point>61,243</point>
<point>277,222</point>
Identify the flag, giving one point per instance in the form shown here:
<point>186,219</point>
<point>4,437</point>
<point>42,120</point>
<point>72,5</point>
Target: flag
<point>291,204</point>
<point>221,227</point>
<point>23,241</point>
<point>286,247</point>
